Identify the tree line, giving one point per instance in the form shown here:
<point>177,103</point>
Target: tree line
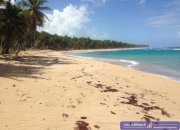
<point>56,42</point>
<point>18,30</point>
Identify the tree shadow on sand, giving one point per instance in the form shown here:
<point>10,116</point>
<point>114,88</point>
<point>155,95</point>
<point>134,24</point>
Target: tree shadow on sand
<point>13,71</point>
<point>43,60</point>
<point>27,66</point>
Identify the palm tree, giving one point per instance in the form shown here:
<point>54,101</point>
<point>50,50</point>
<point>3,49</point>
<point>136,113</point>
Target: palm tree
<point>33,12</point>
<point>1,1</point>
<point>11,22</point>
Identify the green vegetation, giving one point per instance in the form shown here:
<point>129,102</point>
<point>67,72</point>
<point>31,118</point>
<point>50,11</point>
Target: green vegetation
<point>55,42</point>
<point>19,22</point>
<point>18,30</point>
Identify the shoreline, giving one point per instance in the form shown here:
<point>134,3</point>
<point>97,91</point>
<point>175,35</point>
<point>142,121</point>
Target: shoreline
<point>113,49</point>
<point>46,89</point>
<point>132,66</point>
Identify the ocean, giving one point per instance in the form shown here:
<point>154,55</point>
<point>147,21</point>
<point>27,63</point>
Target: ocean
<point>160,61</point>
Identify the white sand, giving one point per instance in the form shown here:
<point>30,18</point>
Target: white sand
<point>53,92</point>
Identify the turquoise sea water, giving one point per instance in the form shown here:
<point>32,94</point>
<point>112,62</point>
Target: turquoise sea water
<point>161,61</point>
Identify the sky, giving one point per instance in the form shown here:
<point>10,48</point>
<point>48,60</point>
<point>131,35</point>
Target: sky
<point>152,22</point>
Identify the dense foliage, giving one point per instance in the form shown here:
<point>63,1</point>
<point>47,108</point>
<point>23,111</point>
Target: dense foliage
<point>19,22</point>
<point>18,30</point>
<point>55,42</point>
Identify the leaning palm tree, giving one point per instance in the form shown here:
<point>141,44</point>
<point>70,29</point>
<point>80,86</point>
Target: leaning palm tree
<point>35,16</point>
<point>11,21</point>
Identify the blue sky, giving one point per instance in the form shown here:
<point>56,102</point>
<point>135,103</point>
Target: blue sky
<point>153,22</point>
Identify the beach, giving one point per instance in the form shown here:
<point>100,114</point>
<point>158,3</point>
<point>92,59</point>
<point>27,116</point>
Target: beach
<point>48,90</point>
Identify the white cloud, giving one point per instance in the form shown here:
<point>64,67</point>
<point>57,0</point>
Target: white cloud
<point>95,1</point>
<point>169,19</point>
<point>71,21</point>
<point>174,3</point>
<point>141,2</point>
<point>170,16</point>
<point>13,1</point>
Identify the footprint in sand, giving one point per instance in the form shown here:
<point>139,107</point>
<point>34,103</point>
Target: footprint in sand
<point>103,103</point>
<point>83,95</point>
<point>79,102</point>
<point>71,106</point>
<point>153,102</point>
<point>83,117</point>
<point>64,115</point>
<point>89,82</point>
<point>115,105</point>
<point>112,112</point>
<point>96,126</point>
<point>23,95</point>
<point>23,100</point>
<point>137,113</point>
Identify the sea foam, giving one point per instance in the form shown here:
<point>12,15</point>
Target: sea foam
<point>132,63</point>
<point>176,49</point>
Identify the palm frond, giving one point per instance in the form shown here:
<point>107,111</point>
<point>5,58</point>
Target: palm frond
<point>44,8</point>
<point>25,4</point>
<point>41,2</point>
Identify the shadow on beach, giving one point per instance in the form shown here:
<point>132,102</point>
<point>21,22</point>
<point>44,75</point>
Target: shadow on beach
<point>42,60</point>
<point>14,71</point>
<point>26,66</point>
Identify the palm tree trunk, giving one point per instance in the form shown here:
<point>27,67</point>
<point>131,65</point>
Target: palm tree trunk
<point>6,47</point>
<point>2,42</point>
<point>1,45</point>
<point>19,46</point>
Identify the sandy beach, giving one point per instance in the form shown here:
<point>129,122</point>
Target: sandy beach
<point>47,90</point>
